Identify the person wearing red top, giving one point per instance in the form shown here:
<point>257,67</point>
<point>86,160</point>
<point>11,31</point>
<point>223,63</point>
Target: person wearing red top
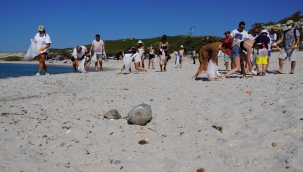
<point>227,43</point>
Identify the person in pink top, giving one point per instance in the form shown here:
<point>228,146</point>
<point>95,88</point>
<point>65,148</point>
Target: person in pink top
<point>99,50</point>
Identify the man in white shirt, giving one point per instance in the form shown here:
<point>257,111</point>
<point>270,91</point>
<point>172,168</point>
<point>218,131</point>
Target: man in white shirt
<point>194,56</point>
<point>239,35</point>
<point>79,53</point>
<point>99,50</point>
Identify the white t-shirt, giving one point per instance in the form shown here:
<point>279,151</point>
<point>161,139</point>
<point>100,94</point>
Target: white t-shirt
<point>252,37</point>
<point>272,38</point>
<point>194,53</point>
<point>239,36</point>
<point>79,55</point>
<point>42,40</point>
<point>98,46</point>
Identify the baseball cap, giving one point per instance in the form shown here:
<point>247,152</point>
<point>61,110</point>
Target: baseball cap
<point>289,22</point>
<point>226,32</point>
<point>264,31</point>
<point>41,28</point>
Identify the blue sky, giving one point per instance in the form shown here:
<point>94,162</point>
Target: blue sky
<point>72,22</point>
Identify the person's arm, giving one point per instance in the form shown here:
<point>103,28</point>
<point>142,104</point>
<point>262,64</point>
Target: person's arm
<point>160,45</point>
<point>143,49</point>
<point>298,39</point>
<point>103,48</point>
<point>91,48</point>
<point>279,41</point>
<point>248,57</point>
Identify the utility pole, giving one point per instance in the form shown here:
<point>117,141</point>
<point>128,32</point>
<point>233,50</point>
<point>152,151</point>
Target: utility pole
<point>191,32</point>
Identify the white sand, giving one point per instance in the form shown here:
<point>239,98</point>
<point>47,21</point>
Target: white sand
<point>55,123</point>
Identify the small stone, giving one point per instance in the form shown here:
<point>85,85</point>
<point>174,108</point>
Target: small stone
<point>62,144</point>
<point>112,114</point>
<point>274,144</point>
<point>117,162</point>
<point>284,111</point>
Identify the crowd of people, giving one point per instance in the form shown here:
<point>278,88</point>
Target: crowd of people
<point>242,50</point>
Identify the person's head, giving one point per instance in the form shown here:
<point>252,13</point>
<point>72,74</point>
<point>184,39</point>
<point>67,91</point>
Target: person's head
<point>255,31</point>
<point>41,29</point>
<point>79,49</point>
<point>181,47</point>
<point>163,39</point>
<point>264,32</point>
<point>97,37</point>
<point>258,45</point>
<point>119,55</point>
<point>140,43</point>
<point>227,33</point>
<point>274,29</point>
<point>241,26</point>
<point>290,24</point>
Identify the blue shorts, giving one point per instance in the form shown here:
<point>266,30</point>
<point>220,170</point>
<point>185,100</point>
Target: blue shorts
<point>99,56</point>
<point>269,53</point>
<point>236,51</point>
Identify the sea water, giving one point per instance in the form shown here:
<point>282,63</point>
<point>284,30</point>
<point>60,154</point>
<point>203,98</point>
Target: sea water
<point>16,70</point>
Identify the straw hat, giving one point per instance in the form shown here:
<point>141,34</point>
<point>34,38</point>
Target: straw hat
<point>140,42</point>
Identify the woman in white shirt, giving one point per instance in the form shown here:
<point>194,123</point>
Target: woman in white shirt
<point>43,42</point>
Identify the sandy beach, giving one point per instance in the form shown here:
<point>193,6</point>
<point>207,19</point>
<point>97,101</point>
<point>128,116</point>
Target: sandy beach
<point>55,123</point>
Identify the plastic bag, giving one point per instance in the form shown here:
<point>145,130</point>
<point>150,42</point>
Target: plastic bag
<point>177,62</point>
<point>128,58</point>
<point>32,51</point>
<point>211,70</point>
<point>94,58</point>
<point>140,114</point>
<point>162,58</point>
<point>81,67</point>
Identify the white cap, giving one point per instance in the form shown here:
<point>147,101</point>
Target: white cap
<point>181,46</point>
<point>140,42</point>
<point>264,31</point>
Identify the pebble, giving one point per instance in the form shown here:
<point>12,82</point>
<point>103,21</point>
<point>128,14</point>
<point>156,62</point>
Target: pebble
<point>117,162</point>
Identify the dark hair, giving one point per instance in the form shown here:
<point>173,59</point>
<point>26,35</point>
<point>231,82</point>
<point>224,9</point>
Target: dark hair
<point>97,35</point>
<point>163,38</point>
<point>241,23</point>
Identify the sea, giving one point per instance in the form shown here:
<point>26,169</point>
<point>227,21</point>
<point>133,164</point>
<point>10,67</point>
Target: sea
<point>8,70</point>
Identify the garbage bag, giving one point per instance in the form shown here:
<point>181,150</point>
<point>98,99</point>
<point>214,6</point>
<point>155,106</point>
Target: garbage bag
<point>32,51</point>
<point>140,114</point>
<point>177,62</point>
<point>81,67</point>
<point>94,58</point>
<point>162,57</point>
<point>211,70</point>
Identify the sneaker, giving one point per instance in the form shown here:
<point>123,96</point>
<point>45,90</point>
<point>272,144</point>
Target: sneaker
<point>255,73</point>
<point>218,74</point>
<point>37,74</point>
<point>47,74</point>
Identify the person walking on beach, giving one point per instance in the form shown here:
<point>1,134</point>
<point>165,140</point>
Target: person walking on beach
<point>141,51</point>
<point>239,35</point>
<point>209,52</point>
<point>194,56</point>
<point>43,42</point>
<point>79,53</point>
<point>291,39</point>
<point>227,43</point>
<point>272,34</point>
<point>163,45</point>
<point>151,57</point>
<point>99,50</point>
<point>181,55</point>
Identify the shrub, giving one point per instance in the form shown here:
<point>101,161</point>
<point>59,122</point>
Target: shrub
<point>13,58</point>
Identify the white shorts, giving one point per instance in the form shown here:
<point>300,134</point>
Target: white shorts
<point>137,57</point>
<point>289,53</point>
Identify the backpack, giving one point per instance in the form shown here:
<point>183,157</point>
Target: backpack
<point>295,30</point>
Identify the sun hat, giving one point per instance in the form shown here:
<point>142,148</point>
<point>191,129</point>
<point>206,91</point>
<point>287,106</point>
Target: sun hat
<point>289,22</point>
<point>274,28</point>
<point>181,46</point>
<point>226,32</point>
<point>41,28</point>
<point>140,42</point>
<point>264,31</point>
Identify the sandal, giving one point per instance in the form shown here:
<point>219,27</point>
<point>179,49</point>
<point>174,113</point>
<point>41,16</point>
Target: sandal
<point>291,73</point>
<point>278,72</point>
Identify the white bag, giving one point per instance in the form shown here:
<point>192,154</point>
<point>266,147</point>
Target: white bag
<point>32,51</point>
<point>94,58</point>
<point>162,58</point>
<point>177,62</point>
<point>127,59</point>
<point>81,67</point>
<point>211,70</point>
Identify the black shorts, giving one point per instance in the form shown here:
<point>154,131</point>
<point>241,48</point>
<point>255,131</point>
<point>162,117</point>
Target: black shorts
<point>73,58</point>
<point>151,56</point>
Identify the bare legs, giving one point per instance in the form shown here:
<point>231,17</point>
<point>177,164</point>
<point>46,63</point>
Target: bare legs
<point>123,67</point>
<point>42,64</point>
<point>100,63</point>
<point>200,70</point>
<point>281,64</point>
<point>137,67</point>
<point>142,61</point>
<point>165,63</point>
<point>151,61</point>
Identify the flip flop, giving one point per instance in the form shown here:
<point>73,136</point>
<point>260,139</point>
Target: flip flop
<point>291,73</point>
<point>278,72</point>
